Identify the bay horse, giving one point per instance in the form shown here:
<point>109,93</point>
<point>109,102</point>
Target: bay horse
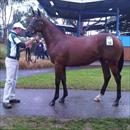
<point>66,50</point>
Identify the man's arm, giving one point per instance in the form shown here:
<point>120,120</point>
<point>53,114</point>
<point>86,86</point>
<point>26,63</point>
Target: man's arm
<point>24,44</point>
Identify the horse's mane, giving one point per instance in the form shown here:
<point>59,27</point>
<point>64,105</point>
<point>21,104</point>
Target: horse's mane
<point>53,24</point>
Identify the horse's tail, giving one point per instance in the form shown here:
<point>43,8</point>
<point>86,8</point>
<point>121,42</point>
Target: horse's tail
<point>121,61</point>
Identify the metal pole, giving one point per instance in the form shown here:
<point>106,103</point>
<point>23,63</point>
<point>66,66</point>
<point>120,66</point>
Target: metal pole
<point>105,24</point>
<point>117,23</point>
<point>79,25</point>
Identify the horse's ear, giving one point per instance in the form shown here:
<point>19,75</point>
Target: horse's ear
<point>33,11</point>
<point>38,12</point>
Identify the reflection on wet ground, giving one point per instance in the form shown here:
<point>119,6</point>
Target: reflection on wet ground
<point>79,104</point>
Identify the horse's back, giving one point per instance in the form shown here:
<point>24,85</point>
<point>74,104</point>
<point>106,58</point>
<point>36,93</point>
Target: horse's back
<point>75,51</point>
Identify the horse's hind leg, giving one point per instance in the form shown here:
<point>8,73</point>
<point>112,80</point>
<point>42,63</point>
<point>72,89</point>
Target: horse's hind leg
<point>107,76</point>
<point>117,77</point>
<point>65,92</point>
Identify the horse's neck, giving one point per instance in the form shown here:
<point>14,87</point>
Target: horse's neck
<point>51,34</point>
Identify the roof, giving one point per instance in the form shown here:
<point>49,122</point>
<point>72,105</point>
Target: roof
<point>71,10</point>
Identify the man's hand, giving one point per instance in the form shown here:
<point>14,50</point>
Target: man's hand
<point>27,43</point>
<point>37,38</point>
<point>29,46</point>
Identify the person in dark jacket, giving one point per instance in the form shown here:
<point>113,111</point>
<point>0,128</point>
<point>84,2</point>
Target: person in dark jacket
<point>39,51</point>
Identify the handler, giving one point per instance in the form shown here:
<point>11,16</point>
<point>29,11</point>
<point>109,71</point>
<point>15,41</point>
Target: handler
<point>12,63</point>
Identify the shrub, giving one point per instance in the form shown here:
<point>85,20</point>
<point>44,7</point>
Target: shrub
<point>2,55</point>
<point>23,64</point>
<point>2,51</point>
<point>38,65</point>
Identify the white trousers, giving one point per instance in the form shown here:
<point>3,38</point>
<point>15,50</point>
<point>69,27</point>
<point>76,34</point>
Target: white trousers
<point>12,67</point>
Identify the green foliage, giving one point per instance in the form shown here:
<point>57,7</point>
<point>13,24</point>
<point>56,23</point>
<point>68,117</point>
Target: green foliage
<point>2,51</point>
<point>0,31</point>
<point>2,55</point>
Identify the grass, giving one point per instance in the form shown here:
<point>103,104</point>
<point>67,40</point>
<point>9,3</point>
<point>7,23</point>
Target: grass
<point>110,124</point>
<point>41,123</point>
<point>90,78</point>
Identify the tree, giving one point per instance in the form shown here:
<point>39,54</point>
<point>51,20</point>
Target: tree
<point>6,9</point>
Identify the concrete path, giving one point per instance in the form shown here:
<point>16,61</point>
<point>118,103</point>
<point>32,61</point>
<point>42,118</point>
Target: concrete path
<point>79,104</point>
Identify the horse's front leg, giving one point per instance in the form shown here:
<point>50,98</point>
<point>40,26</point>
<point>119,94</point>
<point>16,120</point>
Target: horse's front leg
<point>57,83</point>
<point>65,92</point>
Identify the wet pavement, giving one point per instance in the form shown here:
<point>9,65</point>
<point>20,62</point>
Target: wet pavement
<point>79,104</point>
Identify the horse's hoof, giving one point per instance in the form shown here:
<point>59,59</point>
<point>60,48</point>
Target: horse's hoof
<point>115,104</point>
<point>97,99</point>
<point>61,100</point>
<point>52,103</point>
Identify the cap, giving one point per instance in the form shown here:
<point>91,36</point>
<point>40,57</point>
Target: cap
<point>19,25</point>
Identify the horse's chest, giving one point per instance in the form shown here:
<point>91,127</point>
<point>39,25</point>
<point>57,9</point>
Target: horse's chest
<point>58,57</point>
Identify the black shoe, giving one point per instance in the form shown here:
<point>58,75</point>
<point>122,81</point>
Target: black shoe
<point>7,105</point>
<point>14,101</point>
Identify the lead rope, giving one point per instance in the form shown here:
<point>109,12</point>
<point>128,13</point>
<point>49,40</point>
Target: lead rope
<point>28,56</point>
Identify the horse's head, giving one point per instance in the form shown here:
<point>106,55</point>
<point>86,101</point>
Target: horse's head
<point>35,24</point>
